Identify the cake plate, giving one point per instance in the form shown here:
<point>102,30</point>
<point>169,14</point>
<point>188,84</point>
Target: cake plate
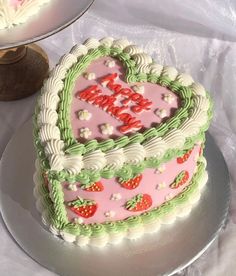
<point>166,252</point>
<point>23,65</point>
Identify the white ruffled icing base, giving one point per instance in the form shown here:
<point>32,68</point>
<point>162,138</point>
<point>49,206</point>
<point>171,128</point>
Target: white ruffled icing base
<point>114,238</point>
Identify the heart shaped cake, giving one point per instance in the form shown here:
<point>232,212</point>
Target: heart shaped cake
<point>14,12</point>
<point>119,142</point>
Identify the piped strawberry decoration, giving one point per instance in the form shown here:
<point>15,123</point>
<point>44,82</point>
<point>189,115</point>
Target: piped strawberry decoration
<point>131,183</point>
<point>85,208</point>
<point>180,180</point>
<point>184,157</point>
<point>140,202</point>
<point>93,187</point>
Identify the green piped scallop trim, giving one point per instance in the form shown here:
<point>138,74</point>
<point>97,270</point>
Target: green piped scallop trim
<point>57,197</point>
<point>132,75</point>
<point>126,172</point>
<point>97,229</point>
<point>72,146</point>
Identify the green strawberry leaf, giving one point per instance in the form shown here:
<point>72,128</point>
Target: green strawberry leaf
<point>178,178</point>
<point>80,202</point>
<point>130,204</point>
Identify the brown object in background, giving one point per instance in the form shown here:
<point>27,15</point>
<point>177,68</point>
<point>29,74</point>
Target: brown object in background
<point>22,71</point>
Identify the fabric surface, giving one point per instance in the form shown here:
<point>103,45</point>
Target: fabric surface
<point>197,37</point>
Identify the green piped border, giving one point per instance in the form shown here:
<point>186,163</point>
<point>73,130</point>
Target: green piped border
<point>72,146</point>
<point>95,230</point>
<point>132,75</point>
<point>126,172</point>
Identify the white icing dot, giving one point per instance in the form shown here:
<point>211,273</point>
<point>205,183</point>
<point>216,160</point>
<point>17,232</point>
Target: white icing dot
<point>84,115</point>
<point>107,129</point>
<point>160,169</point>
<point>109,214</point>
<point>72,187</point>
<point>85,132</point>
<point>78,220</point>
<point>90,76</point>
<point>169,196</point>
<point>161,113</point>
<point>168,98</point>
<point>138,89</point>
<point>116,197</point>
<point>110,63</point>
<point>161,185</point>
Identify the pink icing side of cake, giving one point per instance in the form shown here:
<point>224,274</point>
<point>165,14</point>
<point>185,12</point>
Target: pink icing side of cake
<point>152,92</point>
<point>150,180</point>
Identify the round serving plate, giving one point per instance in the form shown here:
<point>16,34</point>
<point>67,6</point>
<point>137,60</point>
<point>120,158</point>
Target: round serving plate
<point>166,252</point>
<point>52,18</point>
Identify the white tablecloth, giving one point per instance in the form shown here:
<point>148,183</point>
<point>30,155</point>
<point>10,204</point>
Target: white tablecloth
<point>197,37</point>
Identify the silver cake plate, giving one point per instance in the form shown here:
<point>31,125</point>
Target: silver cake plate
<point>163,253</point>
<point>51,18</point>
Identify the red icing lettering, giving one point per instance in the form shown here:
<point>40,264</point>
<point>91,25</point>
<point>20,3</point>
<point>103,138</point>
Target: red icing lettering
<point>115,110</point>
<point>104,101</point>
<point>125,117</point>
<point>134,125</point>
<point>126,91</point>
<point>85,94</point>
<point>108,100</point>
<point>119,111</point>
<point>131,120</point>
<point>109,78</point>
<point>100,99</point>
<point>136,97</point>
<point>93,95</point>
<point>137,108</point>
<point>125,101</point>
<point>144,104</point>
<point>114,87</point>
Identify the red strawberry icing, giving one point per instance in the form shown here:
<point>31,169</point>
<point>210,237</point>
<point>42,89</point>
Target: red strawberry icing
<point>131,183</point>
<point>114,197</point>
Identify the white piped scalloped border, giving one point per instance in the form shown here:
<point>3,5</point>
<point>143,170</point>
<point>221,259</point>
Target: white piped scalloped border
<point>49,133</point>
<point>10,16</point>
<point>132,233</point>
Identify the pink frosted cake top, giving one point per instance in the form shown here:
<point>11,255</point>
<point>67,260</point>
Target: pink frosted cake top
<point>131,107</point>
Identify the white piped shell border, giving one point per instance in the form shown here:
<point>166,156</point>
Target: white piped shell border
<point>156,147</point>
<point>132,233</point>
